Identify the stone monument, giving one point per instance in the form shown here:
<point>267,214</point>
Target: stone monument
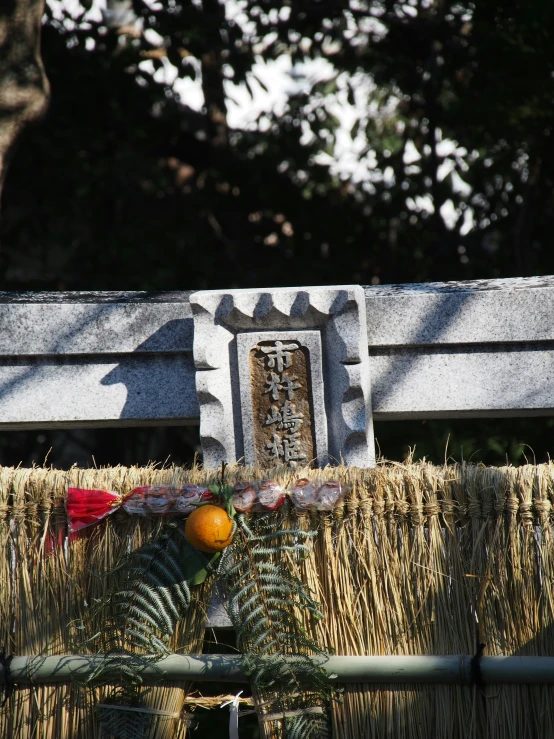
<point>282,376</point>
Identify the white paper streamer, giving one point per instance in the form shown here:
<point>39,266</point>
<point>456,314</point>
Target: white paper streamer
<point>233,715</point>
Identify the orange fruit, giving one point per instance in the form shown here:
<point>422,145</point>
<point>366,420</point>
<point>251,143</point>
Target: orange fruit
<point>208,528</point>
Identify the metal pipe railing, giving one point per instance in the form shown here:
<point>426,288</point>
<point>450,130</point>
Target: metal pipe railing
<point>451,669</point>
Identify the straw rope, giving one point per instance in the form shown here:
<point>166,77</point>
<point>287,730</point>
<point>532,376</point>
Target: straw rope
<point>418,559</point>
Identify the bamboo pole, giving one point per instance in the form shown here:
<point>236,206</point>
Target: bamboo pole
<point>449,669</point>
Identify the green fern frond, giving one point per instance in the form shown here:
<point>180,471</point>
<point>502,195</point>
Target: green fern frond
<point>118,724</point>
<point>150,593</point>
<point>264,599</point>
<point>308,726</point>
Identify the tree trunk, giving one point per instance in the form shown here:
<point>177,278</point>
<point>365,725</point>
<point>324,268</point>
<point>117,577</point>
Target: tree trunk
<point>24,88</point>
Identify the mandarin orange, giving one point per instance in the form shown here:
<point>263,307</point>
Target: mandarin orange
<point>209,529</point>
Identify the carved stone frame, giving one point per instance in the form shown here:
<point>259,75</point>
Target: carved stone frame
<point>338,312</point>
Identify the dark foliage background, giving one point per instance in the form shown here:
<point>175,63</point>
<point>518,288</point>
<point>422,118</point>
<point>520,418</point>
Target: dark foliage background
<point>123,186</point>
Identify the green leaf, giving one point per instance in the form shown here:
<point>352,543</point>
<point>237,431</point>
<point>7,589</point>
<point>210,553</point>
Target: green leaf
<point>196,565</point>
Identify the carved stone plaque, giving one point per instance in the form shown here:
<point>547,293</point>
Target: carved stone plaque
<point>282,398</point>
<point>333,401</point>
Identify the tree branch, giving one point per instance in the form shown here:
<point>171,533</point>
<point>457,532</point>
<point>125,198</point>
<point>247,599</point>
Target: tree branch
<point>212,75</point>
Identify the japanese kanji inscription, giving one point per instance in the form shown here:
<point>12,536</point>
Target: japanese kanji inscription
<point>277,371</point>
<point>282,411</point>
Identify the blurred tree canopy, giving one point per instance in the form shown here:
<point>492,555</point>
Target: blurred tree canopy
<point>444,110</point>
<point>125,186</point>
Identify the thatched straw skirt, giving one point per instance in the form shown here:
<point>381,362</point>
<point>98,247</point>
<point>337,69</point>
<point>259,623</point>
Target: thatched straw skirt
<point>417,560</point>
